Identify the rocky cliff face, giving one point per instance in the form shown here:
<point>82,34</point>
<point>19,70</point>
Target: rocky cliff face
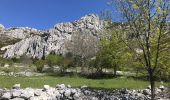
<point>37,43</point>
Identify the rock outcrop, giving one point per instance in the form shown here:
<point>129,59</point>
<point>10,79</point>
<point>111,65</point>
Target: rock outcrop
<point>36,43</point>
<point>63,92</point>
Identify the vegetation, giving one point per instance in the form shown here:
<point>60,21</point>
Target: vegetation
<point>147,21</point>
<point>38,82</point>
<point>140,45</point>
<point>39,64</point>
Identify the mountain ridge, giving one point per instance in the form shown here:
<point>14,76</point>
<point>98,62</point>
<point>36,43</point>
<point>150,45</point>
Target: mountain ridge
<point>38,43</point>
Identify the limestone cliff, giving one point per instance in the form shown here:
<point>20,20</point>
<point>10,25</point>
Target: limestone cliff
<point>37,43</point>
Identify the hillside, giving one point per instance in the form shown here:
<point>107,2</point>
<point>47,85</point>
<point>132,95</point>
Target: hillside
<point>35,43</point>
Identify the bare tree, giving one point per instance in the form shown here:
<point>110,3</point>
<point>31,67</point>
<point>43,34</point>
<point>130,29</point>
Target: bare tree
<point>84,45</point>
<point>147,27</point>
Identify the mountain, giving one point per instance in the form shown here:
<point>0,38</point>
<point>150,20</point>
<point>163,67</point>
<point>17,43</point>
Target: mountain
<point>35,43</point>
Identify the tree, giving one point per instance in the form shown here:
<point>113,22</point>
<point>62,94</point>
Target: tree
<point>147,27</point>
<point>83,45</point>
<point>112,50</point>
<point>106,15</point>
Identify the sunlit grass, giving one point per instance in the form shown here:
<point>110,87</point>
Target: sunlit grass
<point>38,82</point>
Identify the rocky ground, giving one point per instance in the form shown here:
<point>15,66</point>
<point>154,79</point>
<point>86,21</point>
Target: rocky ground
<point>62,92</point>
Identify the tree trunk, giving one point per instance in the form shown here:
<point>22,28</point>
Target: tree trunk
<point>152,83</point>
<point>115,69</point>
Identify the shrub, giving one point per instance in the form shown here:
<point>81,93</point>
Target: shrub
<point>40,64</point>
<point>54,60</point>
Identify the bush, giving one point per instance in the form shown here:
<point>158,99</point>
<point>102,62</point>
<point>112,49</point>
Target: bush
<point>40,64</point>
<point>54,60</point>
<point>6,70</point>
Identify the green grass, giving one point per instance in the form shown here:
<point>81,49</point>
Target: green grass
<point>38,82</point>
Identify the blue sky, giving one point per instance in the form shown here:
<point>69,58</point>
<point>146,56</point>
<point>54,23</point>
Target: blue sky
<point>44,14</point>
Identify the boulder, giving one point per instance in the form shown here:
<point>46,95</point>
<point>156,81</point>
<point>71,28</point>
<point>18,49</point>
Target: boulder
<point>43,96</point>
<point>27,93</point>
<point>146,92</point>
<point>61,86</point>
<point>76,96</point>
<point>16,93</point>
<point>68,86</point>
<point>149,87</point>
<point>161,87</point>
<point>16,86</point>
<point>73,91</point>
<point>38,92</point>
<point>28,74</point>
<point>46,87</point>
<point>57,93</point>
<point>6,95</point>
<point>84,86</point>
<point>67,92</point>
<point>50,92</point>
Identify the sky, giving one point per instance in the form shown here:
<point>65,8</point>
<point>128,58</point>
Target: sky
<point>44,14</point>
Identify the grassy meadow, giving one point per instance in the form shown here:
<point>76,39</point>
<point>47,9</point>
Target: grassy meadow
<point>74,81</point>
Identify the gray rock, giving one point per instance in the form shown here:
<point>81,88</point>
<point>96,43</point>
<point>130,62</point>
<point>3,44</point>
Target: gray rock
<point>1,92</point>
<point>146,92</point>
<point>61,91</point>
<point>67,92</point>
<point>35,98</point>
<point>64,93</point>
<point>16,86</point>
<point>43,96</point>
<point>50,91</point>
<point>69,86</point>
<point>61,86</point>
<point>76,96</point>
<point>37,44</point>
<point>124,91</point>
<point>38,92</point>
<point>27,93</point>
<point>28,74</point>
<point>73,91</point>
<point>149,87</point>
<point>161,87</point>
<point>16,93</point>
<point>84,86</point>
<point>24,73</point>
<point>57,93</point>
<point>17,99</point>
<point>6,95</point>
<point>46,87</point>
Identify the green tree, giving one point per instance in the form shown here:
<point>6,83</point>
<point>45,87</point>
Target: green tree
<point>147,27</point>
<point>112,52</point>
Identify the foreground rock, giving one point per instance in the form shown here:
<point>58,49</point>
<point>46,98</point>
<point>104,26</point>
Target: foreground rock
<point>62,92</point>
